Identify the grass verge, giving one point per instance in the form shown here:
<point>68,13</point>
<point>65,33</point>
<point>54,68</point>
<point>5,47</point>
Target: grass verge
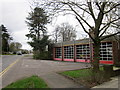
<point>30,82</point>
<point>86,77</point>
<point>27,55</point>
<point>7,54</point>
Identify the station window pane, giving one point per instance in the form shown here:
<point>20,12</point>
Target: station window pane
<point>68,52</point>
<point>83,51</point>
<point>58,52</point>
<point>106,51</point>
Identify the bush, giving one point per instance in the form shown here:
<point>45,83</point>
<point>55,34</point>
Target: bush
<point>94,78</point>
<point>97,78</point>
<point>87,77</point>
<point>46,55</point>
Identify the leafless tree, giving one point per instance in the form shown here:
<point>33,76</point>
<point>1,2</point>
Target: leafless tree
<point>64,32</point>
<point>56,34</point>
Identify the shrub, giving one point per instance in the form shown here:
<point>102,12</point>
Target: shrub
<point>46,55</point>
<point>97,77</point>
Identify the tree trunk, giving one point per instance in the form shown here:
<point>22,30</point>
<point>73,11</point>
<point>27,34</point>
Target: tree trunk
<point>96,56</point>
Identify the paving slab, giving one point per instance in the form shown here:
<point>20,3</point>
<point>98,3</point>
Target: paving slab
<point>55,80</point>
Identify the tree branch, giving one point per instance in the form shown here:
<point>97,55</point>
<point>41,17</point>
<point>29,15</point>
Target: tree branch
<point>85,29</point>
<point>99,19</point>
<point>81,8</point>
<point>98,6</point>
<point>112,8</point>
<point>91,10</point>
<point>80,17</point>
<point>104,31</point>
<point>109,23</point>
<point>104,37</point>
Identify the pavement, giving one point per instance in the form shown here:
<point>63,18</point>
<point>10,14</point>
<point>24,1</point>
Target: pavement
<point>114,83</point>
<point>47,69</point>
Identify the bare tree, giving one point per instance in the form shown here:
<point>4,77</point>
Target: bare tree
<point>64,32</point>
<point>56,34</point>
<point>95,17</point>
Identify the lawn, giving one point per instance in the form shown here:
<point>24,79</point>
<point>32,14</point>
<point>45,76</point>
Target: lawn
<point>7,54</point>
<point>77,73</point>
<point>30,82</point>
<point>85,77</point>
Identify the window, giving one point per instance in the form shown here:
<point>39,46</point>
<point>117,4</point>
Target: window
<point>68,52</point>
<point>106,51</point>
<point>58,52</point>
<point>83,51</point>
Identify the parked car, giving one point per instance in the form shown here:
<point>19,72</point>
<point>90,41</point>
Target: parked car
<point>19,53</point>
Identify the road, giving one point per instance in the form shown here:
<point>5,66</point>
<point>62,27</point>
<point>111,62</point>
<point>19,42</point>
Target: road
<point>9,59</point>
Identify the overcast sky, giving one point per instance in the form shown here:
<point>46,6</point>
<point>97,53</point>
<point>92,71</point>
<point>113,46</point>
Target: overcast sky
<point>13,15</point>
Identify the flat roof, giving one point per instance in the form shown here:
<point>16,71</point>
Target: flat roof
<point>83,41</point>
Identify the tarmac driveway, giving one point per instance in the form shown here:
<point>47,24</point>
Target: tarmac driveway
<point>46,69</point>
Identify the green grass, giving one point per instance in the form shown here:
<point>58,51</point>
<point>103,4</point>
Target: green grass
<point>30,82</point>
<point>7,54</point>
<point>86,77</point>
<point>79,73</point>
<point>27,55</point>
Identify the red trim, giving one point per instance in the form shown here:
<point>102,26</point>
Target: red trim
<point>60,59</point>
<point>68,59</point>
<point>82,60</point>
<point>101,61</point>
<point>106,62</point>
